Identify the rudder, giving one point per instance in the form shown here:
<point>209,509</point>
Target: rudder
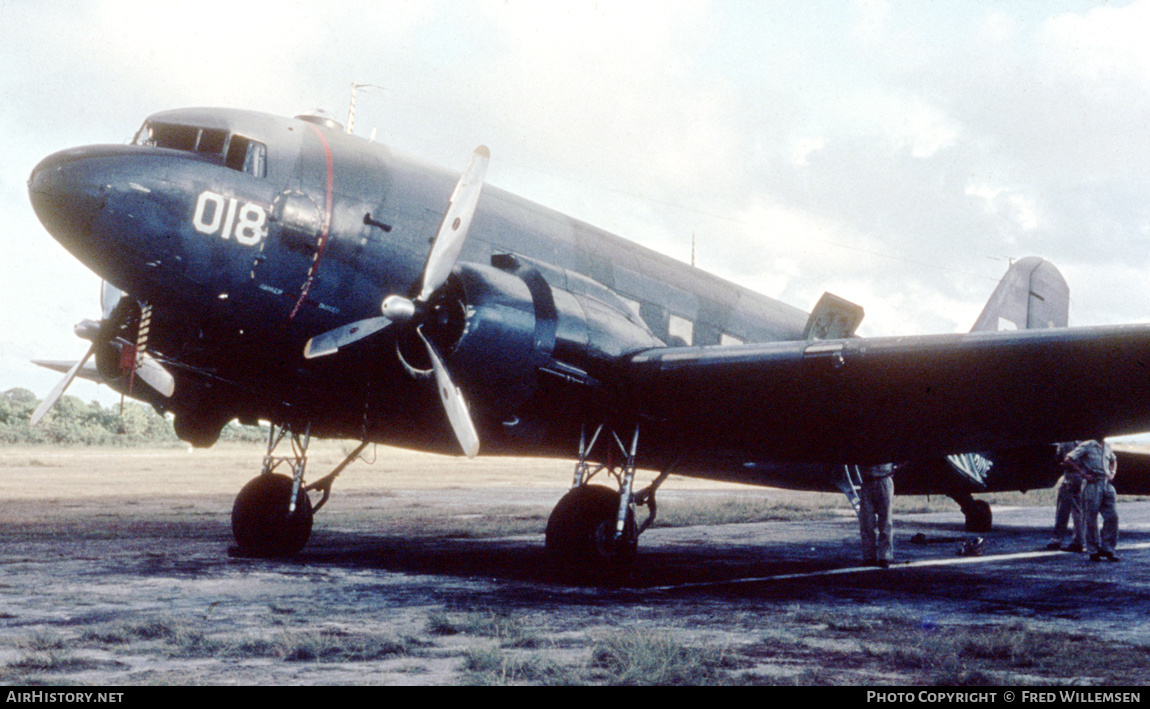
<point>1032,294</point>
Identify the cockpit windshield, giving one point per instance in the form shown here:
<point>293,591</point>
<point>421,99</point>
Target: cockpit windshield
<point>234,151</point>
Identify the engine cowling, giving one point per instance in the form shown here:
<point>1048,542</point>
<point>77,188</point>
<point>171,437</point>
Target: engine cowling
<point>502,328</point>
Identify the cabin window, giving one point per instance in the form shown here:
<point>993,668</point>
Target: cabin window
<point>681,331</point>
<point>726,339</point>
<point>634,307</point>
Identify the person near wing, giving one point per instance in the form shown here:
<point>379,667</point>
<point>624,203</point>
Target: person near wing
<point>1068,505</point>
<point>1096,462</point>
<point>875,497</point>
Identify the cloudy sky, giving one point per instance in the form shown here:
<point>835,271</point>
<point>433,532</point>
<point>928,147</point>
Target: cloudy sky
<point>898,154</point>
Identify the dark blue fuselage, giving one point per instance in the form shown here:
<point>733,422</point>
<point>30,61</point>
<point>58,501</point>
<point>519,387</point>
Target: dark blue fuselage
<point>249,234</point>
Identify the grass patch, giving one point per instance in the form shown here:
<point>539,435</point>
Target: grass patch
<point>126,632</point>
<point>997,654</point>
<point>58,662</point>
<point>503,626</point>
<point>441,624</point>
<point>735,509</point>
<point>41,641</point>
<point>657,659</point>
<point>340,646</point>
<point>184,640</point>
<point>491,666</point>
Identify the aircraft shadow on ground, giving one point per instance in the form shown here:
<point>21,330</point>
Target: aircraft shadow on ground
<point>527,560</point>
<point>705,564</point>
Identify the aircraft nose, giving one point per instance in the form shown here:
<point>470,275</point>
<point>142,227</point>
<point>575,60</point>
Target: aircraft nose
<point>67,192</point>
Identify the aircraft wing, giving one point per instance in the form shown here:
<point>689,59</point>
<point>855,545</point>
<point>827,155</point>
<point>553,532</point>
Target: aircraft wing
<point>1133,476</point>
<point>883,399</point>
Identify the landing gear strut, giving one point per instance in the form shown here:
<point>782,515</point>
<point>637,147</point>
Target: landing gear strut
<point>272,515</point>
<point>592,534</point>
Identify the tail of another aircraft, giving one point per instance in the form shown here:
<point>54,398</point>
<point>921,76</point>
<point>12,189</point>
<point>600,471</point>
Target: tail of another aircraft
<point>1032,295</point>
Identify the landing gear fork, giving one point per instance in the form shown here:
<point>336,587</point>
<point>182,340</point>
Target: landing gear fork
<point>624,476</point>
<point>297,461</point>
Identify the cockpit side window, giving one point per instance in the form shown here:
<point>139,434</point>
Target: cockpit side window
<point>235,151</point>
<point>247,155</point>
<point>169,135</point>
<point>212,142</point>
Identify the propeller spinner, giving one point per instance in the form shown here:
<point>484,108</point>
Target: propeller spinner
<point>400,310</point>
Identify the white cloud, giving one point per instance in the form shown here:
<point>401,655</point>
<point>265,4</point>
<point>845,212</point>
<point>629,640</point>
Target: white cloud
<point>1106,44</point>
<point>803,149</point>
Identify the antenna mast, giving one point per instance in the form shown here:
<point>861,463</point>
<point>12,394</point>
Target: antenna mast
<point>351,106</point>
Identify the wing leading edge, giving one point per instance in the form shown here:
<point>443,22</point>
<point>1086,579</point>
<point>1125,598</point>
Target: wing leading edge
<point>858,400</point>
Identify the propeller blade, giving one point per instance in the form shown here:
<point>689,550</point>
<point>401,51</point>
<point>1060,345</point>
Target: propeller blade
<point>155,376</point>
<point>453,403</point>
<point>453,230</point>
<point>58,391</point>
<point>330,341</point>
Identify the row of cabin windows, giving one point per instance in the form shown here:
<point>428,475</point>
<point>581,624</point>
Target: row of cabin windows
<point>681,329</point>
<point>237,152</point>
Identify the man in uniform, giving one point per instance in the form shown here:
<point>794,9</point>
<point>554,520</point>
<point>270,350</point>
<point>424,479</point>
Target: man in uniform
<point>1096,462</point>
<point>875,524</point>
<point>1069,505</point>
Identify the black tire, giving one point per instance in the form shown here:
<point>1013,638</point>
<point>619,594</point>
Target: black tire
<point>581,536</point>
<point>979,518</point>
<point>260,522</point>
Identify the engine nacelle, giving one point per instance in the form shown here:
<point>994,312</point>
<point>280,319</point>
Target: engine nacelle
<point>502,328</point>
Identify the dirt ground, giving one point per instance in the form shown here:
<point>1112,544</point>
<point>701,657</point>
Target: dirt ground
<point>430,570</point>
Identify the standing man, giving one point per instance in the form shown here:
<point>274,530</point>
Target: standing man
<point>1069,505</point>
<point>1096,462</point>
<point>875,524</point>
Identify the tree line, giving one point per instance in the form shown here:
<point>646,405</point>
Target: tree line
<point>73,422</point>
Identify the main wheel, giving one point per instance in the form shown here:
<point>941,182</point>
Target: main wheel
<point>260,521</point>
<point>581,535</point>
<point>979,518</point>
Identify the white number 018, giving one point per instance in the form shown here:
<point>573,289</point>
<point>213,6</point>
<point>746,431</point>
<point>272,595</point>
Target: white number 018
<point>215,213</point>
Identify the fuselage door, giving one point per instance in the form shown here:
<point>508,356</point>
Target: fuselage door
<point>281,267</point>
<point>299,221</point>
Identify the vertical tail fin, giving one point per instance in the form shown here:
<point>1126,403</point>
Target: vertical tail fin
<point>1032,294</point>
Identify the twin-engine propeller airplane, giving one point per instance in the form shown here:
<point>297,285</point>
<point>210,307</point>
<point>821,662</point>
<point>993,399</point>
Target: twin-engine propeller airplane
<point>265,268</point>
